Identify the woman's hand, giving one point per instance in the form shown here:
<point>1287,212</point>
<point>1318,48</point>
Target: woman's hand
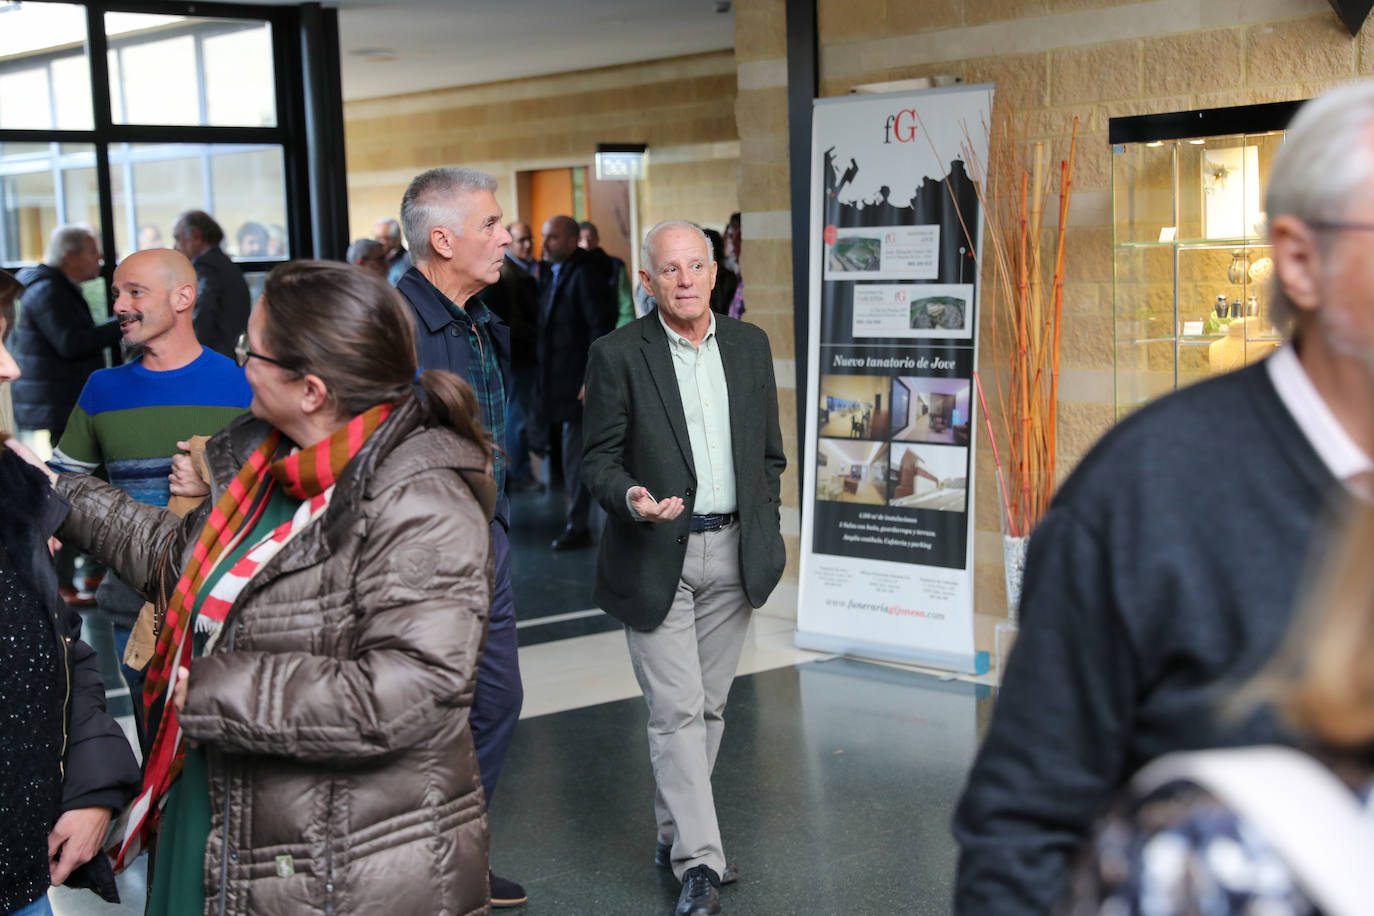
<point>184,479</point>
<point>179,691</point>
<point>75,840</point>
<point>23,451</point>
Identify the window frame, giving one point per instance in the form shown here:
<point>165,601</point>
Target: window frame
<point>289,134</point>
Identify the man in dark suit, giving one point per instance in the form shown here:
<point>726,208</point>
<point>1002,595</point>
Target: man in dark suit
<point>576,307</point>
<point>222,301</point>
<point>515,300</point>
<point>684,452</point>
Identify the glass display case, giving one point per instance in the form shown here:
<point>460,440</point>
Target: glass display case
<point>1191,260</point>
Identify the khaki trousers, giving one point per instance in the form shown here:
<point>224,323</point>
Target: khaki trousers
<point>685,667</point>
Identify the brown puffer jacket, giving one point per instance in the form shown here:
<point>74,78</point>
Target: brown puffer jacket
<point>334,712</point>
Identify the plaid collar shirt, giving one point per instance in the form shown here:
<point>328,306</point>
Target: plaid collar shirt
<point>484,375</point>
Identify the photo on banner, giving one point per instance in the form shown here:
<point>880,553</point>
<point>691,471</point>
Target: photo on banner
<point>888,496</point>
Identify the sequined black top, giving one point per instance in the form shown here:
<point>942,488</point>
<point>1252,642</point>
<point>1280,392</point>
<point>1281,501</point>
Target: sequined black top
<point>59,749</point>
<point>33,685</point>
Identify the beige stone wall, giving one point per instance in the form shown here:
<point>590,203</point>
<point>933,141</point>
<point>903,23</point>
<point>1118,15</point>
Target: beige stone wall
<point>683,108</point>
<point>1053,59</point>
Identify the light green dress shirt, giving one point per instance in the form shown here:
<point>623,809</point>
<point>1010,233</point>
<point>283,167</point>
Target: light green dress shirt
<point>706,405</point>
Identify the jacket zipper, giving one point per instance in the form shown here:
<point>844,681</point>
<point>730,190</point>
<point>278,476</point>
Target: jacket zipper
<point>66,705</point>
<point>224,836</point>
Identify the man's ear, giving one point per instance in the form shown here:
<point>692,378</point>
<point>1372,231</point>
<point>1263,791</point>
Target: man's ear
<point>184,297</point>
<point>439,241</point>
<point>314,394</point>
<point>644,282</point>
<point>1297,262</point>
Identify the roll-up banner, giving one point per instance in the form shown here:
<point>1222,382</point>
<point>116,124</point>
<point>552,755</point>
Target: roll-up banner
<point>887,526</point>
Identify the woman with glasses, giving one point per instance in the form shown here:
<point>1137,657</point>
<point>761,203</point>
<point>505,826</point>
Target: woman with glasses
<point>65,765</point>
<point>311,682</point>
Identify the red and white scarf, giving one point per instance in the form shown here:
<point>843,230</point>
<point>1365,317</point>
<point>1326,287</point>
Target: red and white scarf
<point>308,475</point>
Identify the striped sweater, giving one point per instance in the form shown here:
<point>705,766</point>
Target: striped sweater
<point>129,419</point>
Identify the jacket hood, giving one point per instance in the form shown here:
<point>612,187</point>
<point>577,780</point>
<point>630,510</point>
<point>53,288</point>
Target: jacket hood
<point>29,275</point>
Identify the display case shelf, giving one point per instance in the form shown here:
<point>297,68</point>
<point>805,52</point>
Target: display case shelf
<point>1213,277</point>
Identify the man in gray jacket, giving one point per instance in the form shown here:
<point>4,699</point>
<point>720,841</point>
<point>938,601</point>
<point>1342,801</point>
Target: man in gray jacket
<point>222,301</point>
<point>684,452</point>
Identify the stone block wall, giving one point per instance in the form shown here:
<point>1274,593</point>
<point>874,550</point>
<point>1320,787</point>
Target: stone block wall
<point>682,107</point>
<point>1052,59</point>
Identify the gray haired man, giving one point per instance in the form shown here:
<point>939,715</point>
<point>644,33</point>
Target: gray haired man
<point>56,343</point>
<point>453,224</point>
<point>388,232</point>
<point>1151,590</point>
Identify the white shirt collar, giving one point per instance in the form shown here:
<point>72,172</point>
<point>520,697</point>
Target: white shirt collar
<point>675,337</point>
<point>1337,450</point>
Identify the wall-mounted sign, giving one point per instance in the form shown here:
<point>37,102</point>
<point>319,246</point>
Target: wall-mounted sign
<point>620,161</point>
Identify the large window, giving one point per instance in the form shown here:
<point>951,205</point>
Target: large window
<point>121,115</point>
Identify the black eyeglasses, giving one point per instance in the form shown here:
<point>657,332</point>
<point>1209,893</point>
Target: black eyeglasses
<point>242,354</point>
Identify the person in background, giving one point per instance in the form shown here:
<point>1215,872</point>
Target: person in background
<point>131,420</point>
<point>149,236</point>
<point>1138,614</point>
<point>521,249</point>
<point>276,241</point>
<point>252,239</point>
<point>689,473</point>
<point>222,299</point>
<point>66,763</point>
<point>9,294</point>
<point>576,307</point>
<point>589,240</point>
<point>388,232</point>
<point>514,298</point>
<point>311,682</point>
<point>726,280</point>
<point>733,239</point>
<point>56,343</point>
<point>1191,836</point>
<point>454,226</point>
<point>369,254</point>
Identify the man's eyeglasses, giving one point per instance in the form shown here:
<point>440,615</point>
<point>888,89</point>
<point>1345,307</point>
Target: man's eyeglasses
<point>242,353</point>
<point>1338,225</point>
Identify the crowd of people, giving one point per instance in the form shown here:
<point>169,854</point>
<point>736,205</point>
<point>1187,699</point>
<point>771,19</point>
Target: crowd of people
<point>359,422</point>
<point>302,504</point>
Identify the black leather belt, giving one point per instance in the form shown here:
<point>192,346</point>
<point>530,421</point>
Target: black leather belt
<point>712,522</point>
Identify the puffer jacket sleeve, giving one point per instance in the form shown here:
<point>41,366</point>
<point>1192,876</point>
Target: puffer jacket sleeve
<point>100,767</point>
<point>423,593</point>
<point>138,541</point>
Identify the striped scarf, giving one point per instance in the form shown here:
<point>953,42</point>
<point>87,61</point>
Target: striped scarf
<point>308,475</point>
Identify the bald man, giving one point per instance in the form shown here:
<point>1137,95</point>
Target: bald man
<point>130,419</point>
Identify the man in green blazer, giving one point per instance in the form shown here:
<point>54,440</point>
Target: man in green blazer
<point>684,452</point>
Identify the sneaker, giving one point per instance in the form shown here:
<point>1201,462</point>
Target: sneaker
<point>700,895</point>
<point>505,893</point>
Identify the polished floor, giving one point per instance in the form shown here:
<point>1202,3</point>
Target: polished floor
<point>834,786</point>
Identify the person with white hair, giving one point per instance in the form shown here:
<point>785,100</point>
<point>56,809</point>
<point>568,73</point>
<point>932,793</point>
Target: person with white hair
<point>685,454</point>
<point>1170,563</point>
<point>57,343</point>
<point>388,232</point>
<point>458,243</point>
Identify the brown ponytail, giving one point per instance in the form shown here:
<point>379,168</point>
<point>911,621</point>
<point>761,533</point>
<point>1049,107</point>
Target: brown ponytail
<point>450,401</point>
<point>353,330</point>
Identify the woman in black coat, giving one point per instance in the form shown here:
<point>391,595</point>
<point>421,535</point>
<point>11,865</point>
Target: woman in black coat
<point>67,765</point>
